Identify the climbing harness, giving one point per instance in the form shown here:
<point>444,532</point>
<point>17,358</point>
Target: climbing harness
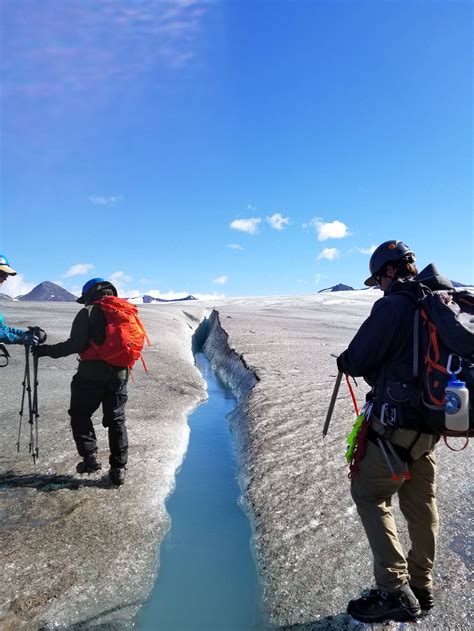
<point>4,356</point>
<point>32,399</point>
<point>359,435</point>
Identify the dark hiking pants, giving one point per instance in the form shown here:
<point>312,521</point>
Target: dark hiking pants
<point>86,397</point>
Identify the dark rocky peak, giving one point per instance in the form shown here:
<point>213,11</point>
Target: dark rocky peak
<point>49,292</point>
<point>147,299</point>
<point>338,287</point>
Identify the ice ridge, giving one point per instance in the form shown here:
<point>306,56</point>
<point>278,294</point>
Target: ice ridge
<point>225,361</point>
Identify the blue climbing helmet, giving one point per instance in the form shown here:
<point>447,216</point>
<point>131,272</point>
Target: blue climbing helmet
<point>88,286</point>
<point>5,266</point>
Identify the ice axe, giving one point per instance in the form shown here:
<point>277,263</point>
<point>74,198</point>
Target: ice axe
<point>333,402</point>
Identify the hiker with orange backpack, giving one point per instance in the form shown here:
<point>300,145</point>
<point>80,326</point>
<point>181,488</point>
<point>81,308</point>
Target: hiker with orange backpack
<point>108,336</point>
<point>395,451</point>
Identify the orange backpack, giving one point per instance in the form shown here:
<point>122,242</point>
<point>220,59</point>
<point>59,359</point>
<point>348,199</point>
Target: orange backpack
<point>125,334</point>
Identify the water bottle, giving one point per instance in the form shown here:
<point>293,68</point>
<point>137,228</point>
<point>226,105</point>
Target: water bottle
<point>456,405</point>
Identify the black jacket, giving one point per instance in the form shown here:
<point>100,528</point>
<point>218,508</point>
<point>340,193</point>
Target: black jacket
<point>382,349</point>
<point>88,325</point>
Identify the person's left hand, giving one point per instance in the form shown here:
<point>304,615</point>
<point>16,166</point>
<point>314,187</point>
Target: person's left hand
<point>39,351</point>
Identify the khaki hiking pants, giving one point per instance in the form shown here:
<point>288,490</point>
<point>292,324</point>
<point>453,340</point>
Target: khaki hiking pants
<point>372,490</point>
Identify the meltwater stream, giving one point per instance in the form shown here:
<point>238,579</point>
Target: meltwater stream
<point>207,579</point>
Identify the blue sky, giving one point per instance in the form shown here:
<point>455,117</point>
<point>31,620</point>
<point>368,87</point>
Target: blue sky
<point>237,148</point>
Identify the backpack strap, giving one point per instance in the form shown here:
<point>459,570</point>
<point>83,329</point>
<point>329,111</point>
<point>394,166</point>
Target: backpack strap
<point>416,342</point>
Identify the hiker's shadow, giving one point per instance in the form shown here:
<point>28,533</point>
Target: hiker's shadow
<point>47,482</point>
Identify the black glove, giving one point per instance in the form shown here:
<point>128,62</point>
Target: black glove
<point>39,351</point>
<point>33,336</point>
<point>39,333</point>
<point>340,363</point>
<point>29,339</point>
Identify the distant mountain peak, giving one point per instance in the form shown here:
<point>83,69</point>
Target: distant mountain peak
<point>49,292</point>
<point>338,287</point>
<point>147,299</point>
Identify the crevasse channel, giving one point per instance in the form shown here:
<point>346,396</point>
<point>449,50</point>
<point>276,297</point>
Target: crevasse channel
<point>208,579</point>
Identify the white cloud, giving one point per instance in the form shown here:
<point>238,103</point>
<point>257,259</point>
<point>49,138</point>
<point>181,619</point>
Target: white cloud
<point>134,293</point>
<point>119,280</point>
<point>235,246</point>
<point>318,278</point>
<point>61,55</point>
<point>330,254</point>
<point>370,250</point>
<point>246,225</point>
<point>16,286</point>
<point>220,280</point>
<point>118,277</point>
<point>277,221</point>
<point>328,230</point>
<point>101,200</point>
<point>78,269</point>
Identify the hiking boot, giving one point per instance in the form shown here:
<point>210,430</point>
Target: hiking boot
<point>117,475</point>
<point>379,606</point>
<point>90,464</point>
<point>425,597</point>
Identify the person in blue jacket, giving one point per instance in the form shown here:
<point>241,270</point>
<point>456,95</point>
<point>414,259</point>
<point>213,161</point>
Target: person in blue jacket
<point>12,335</point>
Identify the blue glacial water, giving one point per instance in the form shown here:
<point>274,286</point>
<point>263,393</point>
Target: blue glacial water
<point>207,579</point>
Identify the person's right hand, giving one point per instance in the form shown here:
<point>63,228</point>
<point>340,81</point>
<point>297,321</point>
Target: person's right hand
<point>34,336</point>
<point>39,333</point>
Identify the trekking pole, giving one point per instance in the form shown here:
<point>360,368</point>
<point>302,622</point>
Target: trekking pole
<point>332,403</point>
<point>30,401</point>
<point>35,411</point>
<point>23,394</point>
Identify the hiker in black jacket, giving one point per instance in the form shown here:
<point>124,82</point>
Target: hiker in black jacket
<point>95,383</point>
<point>398,455</point>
